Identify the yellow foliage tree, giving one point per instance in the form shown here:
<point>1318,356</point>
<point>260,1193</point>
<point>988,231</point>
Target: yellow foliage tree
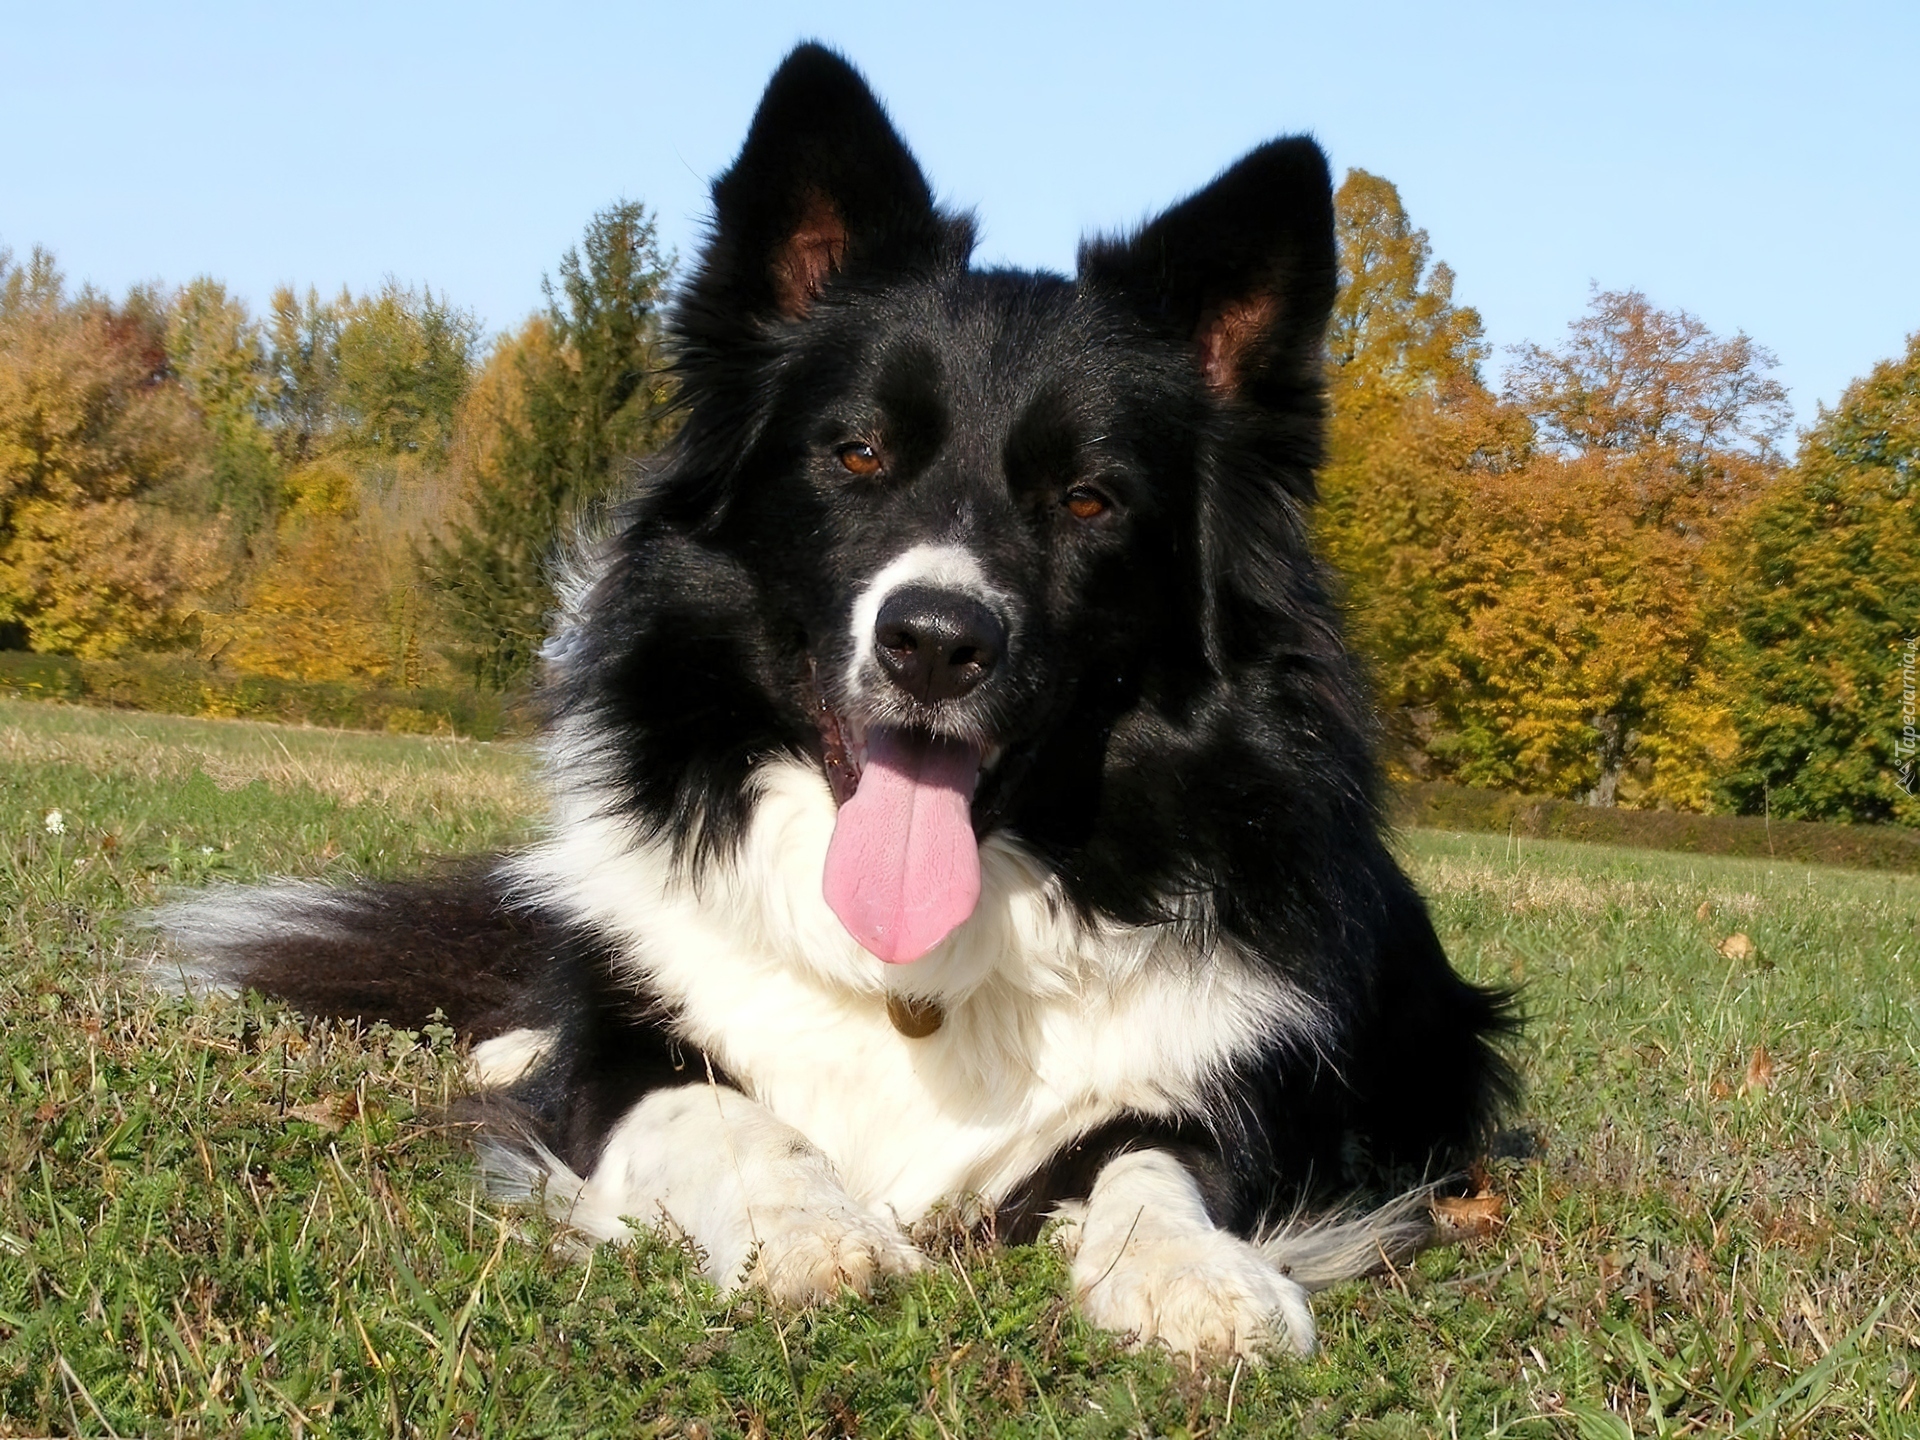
<point>1537,577</point>
<point>95,439</point>
<point>366,392</point>
<point>1411,429</point>
<point>1577,639</point>
<point>1660,436</point>
<point>335,602</point>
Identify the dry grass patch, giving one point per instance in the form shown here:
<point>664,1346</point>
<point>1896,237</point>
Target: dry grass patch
<point>418,775</point>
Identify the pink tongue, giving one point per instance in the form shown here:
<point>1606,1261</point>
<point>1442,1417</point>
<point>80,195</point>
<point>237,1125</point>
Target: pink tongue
<point>903,868</point>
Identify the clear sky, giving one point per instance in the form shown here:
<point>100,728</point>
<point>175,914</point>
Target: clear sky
<point>1757,164</point>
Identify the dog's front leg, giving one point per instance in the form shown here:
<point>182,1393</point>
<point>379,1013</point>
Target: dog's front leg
<point>1150,1261</point>
<point>760,1202</point>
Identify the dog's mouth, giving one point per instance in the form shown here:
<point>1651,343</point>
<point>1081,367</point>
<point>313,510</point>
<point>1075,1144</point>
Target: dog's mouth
<point>903,867</point>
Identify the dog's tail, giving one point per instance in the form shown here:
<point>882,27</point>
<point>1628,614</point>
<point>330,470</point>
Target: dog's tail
<point>452,948</point>
<point>1346,1245</point>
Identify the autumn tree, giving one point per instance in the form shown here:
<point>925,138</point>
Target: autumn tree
<point>366,390</point>
<point>591,396</point>
<point>1589,666</point>
<point>331,603</point>
<point>1577,636</point>
<point>1411,427</point>
<point>1635,379</point>
<point>1532,574</point>
<point>1578,640</point>
<point>1826,602</point>
<point>99,446</point>
<point>1394,331</point>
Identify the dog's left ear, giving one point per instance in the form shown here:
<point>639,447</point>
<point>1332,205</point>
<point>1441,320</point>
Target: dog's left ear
<point>1242,277</point>
<point>1243,272</point>
<point>823,188</point>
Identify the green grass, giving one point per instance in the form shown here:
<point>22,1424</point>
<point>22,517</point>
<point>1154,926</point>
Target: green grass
<point>216,1218</point>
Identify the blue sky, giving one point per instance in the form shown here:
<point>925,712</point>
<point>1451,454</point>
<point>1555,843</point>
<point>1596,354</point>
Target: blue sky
<point>1757,164</point>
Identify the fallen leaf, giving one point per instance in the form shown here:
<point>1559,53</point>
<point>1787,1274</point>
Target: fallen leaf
<point>1737,947</point>
<point>1705,911</point>
<point>1759,1071</point>
<point>1463,1216</point>
<point>324,1113</point>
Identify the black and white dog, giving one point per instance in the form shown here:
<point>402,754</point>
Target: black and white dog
<point>961,793</point>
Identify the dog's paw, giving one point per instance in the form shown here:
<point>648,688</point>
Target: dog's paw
<point>1199,1291</point>
<point>807,1256</point>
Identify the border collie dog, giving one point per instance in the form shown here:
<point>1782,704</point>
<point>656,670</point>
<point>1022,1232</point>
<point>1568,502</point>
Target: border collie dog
<point>962,797</point>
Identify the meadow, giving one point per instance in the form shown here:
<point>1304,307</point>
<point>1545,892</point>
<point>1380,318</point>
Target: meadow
<point>217,1218</point>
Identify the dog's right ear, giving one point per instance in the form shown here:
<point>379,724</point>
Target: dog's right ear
<point>823,188</point>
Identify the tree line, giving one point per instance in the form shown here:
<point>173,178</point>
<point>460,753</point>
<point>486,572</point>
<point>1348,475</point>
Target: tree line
<point>1603,580</point>
<point>1599,579</point>
<point>348,489</point>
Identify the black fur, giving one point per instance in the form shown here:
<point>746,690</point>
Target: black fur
<point>1187,740</point>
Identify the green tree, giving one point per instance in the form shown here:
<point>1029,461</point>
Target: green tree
<point>217,351</point>
<point>403,359</point>
<point>591,394</point>
<point>303,337</point>
<point>1821,667</point>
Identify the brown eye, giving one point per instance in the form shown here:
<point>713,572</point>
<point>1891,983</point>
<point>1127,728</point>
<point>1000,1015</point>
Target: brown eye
<point>859,458</point>
<point>1086,503</point>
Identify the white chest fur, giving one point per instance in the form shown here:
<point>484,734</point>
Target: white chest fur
<point>1052,1026</point>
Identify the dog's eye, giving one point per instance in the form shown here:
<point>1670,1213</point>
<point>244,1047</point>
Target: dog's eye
<point>1086,503</point>
<point>859,458</point>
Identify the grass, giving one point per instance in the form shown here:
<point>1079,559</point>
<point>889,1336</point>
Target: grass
<point>1438,805</point>
<point>215,1218</point>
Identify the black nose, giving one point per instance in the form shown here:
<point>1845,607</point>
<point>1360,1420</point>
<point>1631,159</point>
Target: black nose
<point>937,645</point>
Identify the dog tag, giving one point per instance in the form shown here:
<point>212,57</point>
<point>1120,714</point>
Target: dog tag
<point>915,1019</point>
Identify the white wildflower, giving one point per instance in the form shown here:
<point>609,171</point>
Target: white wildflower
<point>55,822</point>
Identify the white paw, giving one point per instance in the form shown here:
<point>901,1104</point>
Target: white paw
<point>807,1256</point>
<point>497,1063</point>
<point>1198,1291</point>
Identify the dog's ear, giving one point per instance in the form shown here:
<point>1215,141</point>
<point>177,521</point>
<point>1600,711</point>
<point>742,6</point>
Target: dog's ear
<point>823,187</point>
<point>1243,272</point>
<point>1242,277</point>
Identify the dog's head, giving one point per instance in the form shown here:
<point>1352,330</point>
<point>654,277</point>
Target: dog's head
<point>992,518</point>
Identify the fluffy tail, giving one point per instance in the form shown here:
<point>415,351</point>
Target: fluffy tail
<point>454,947</point>
<point>1332,1248</point>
